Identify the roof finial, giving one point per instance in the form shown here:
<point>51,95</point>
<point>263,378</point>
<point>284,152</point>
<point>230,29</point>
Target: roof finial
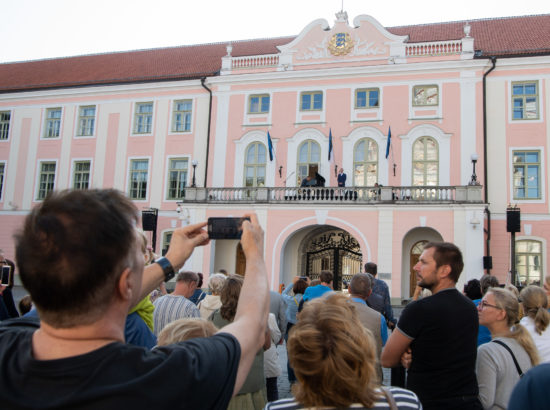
<point>467,29</point>
<point>229,49</point>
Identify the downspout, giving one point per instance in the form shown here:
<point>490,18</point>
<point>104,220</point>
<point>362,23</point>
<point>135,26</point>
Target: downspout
<point>203,79</point>
<point>485,167</point>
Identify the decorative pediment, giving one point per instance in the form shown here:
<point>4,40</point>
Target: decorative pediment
<point>318,43</point>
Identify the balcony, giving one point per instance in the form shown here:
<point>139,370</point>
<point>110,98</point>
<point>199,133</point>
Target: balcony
<point>398,195</point>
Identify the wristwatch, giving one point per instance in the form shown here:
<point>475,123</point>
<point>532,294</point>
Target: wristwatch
<point>167,268</point>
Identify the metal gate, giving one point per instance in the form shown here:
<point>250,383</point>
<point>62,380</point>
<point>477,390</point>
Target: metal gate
<point>337,252</point>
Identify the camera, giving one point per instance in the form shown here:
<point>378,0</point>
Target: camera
<point>225,228</point>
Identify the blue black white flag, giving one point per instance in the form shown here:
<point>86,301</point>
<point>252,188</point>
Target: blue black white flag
<point>270,146</point>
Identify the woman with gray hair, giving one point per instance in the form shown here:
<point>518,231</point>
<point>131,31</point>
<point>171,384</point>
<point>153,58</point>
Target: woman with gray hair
<point>212,302</point>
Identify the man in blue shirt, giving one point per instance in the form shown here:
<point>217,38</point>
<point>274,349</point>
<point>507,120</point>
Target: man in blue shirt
<point>326,277</point>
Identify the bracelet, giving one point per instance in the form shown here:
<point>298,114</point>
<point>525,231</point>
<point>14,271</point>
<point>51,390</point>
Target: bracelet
<point>167,268</point>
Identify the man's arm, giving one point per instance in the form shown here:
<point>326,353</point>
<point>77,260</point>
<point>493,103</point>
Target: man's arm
<point>250,323</point>
<point>397,344</point>
<point>184,241</point>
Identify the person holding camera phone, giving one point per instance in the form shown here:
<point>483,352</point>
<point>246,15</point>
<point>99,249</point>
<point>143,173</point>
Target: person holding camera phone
<point>7,304</point>
<point>79,351</point>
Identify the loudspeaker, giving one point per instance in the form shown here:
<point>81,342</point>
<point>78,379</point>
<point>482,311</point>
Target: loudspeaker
<point>513,220</point>
<point>487,262</point>
<point>148,221</point>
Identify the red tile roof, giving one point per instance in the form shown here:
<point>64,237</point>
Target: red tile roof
<point>512,36</point>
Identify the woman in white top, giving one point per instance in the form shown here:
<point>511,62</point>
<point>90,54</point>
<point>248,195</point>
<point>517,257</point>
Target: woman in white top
<point>511,352</point>
<point>537,318</point>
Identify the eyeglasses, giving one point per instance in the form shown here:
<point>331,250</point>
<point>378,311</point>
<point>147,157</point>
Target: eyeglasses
<point>484,304</point>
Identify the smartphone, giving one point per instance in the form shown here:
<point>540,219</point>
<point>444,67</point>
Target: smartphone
<point>6,275</point>
<point>225,228</point>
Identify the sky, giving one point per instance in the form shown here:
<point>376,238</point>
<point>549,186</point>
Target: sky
<point>37,29</point>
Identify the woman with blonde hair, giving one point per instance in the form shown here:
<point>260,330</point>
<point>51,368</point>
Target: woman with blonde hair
<point>333,357</point>
<point>185,329</point>
<point>511,352</point>
<point>537,318</point>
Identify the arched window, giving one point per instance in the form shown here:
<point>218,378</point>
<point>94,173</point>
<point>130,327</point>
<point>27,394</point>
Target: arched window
<point>365,163</point>
<point>529,262</point>
<point>425,162</point>
<point>254,166</point>
<point>309,158</point>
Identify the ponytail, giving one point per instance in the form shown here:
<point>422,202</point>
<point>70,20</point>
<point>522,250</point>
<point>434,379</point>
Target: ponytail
<point>535,304</point>
<point>507,301</point>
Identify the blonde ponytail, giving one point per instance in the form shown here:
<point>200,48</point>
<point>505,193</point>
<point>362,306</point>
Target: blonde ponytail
<point>507,301</point>
<point>535,305</point>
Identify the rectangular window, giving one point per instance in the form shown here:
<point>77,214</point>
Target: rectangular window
<point>86,121</point>
<point>258,104</point>
<point>311,101</point>
<point>46,179</point>
<point>143,118</point>
<point>425,95</point>
<point>525,100</point>
<point>81,175</point>
<point>367,98</point>
<point>177,178</point>
<point>181,116</point>
<point>526,174</point>
<point>139,170</point>
<point>53,123</point>
<point>2,171</point>
<point>166,238</point>
<point>4,124</point>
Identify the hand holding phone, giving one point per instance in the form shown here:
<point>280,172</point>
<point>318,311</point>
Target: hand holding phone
<point>6,275</point>
<point>225,228</point>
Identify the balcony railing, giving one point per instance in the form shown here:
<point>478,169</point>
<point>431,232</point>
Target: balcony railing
<point>334,195</point>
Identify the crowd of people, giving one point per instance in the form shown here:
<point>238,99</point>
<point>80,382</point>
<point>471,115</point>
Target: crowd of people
<point>110,335</point>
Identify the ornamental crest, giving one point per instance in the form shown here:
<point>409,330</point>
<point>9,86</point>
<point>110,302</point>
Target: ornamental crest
<point>340,44</point>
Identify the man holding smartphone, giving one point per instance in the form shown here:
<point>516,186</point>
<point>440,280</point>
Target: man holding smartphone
<point>7,304</point>
<point>77,358</point>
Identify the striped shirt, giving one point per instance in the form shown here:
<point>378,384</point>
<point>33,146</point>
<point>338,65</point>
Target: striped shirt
<point>172,307</point>
<point>404,399</point>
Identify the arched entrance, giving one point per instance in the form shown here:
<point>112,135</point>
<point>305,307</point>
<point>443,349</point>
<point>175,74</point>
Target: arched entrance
<point>413,244</point>
<point>333,249</point>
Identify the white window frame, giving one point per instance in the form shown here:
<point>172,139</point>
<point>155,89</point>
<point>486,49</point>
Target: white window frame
<point>135,117</point>
<point>46,120</point>
<point>312,93</point>
<point>73,165</point>
<point>543,251</point>
<point>128,179</point>
<point>540,100</point>
<point>9,124</point>
<point>260,96</point>
<point>367,90</point>
<point>542,171</point>
<point>348,151</point>
<point>240,151</point>
<point>39,173</point>
<point>167,173</point>
<point>172,116</point>
<point>78,117</point>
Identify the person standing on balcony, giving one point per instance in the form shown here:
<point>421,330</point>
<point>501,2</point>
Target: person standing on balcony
<point>342,178</point>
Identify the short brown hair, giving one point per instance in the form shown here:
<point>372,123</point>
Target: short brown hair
<point>299,287</point>
<point>72,250</point>
<point>187,276</point>
<point>184,329</point>
<point>360,285</point>
<point>333,355</point>
<point>326,276</point>
<point>446,253</point>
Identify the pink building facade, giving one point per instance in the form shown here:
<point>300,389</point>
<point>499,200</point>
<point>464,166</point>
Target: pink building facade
<point>185,131</point>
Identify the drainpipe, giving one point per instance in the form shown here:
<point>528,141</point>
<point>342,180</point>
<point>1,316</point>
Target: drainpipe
<point>485,167</point>
<point>203,79</point>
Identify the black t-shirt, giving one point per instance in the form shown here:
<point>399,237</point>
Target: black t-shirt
<point>197,374</point>
<point>444,347</point>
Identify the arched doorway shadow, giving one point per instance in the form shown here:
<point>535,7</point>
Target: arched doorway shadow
<point>413,243</point>
<point>333,249</point>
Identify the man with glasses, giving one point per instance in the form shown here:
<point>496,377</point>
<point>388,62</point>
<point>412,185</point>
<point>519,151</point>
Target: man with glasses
<point>436,336</point>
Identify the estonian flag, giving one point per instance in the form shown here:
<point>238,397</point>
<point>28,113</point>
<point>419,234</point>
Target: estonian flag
<point>389,143</point>
<point>330,150</point>
<point>270,146</point>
